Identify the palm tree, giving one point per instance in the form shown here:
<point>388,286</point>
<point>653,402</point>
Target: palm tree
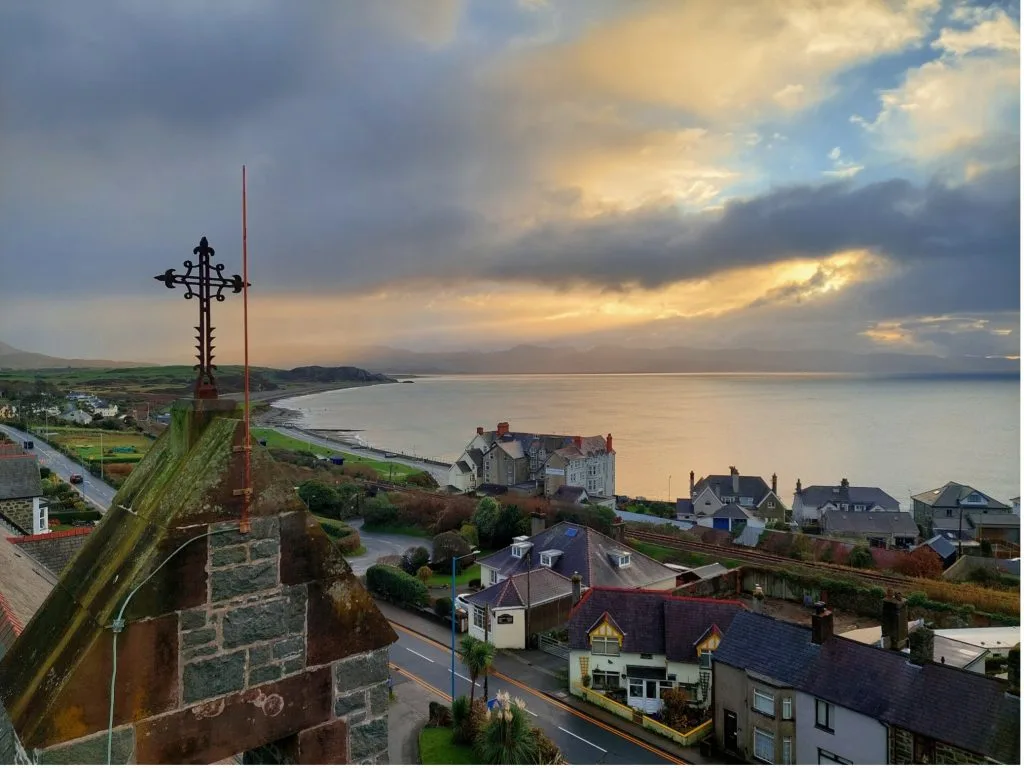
<point>506,737</point>
<point>478,655</point>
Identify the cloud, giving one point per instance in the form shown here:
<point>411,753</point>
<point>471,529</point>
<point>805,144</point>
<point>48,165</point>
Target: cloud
<point>841,168</point>
<point>992,335</point>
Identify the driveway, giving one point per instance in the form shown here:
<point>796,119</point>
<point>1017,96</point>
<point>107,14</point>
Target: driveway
<point>380,544</point>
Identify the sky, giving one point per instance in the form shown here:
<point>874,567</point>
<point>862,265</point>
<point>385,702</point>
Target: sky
<point>475,174</point>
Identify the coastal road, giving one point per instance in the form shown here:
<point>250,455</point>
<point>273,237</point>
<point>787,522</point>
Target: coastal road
<point>581,739</point>
<point>98,493</point>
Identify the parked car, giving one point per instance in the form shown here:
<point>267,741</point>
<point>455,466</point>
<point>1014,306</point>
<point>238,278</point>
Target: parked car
<point>76,479</point>
<point>29,445</point>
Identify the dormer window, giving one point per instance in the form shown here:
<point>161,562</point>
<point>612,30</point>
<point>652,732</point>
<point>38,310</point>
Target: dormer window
<point>520,550</point>
<point>858,507</point>
<point>620,559</point>
<point>549,557</point>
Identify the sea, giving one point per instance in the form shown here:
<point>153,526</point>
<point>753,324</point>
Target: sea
<point>904,435</point>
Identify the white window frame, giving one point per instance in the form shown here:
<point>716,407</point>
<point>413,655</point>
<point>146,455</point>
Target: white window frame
<point>479,617</point>
<point>604,643</point>
<point>787,750</point>
<point>763,695</point>
<point>829,723</point>
<point>624,560</point>
<point>546,559</point>
<point>787,708</point>
<point>771,505</point>
<point>770,738</point>
<point>705,656</point>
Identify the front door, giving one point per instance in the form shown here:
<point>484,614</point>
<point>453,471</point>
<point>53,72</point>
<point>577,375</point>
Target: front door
<point>643,694</point>
<point>730,731</point>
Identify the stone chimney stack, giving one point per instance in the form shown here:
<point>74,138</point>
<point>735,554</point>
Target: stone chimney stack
<point>799,488</point>
<point>895,628</point>
<point>618,531</point>
<point>758,599</point>
<point>578,442</point>
<point>537,524</point>
<point>691,484</point>
<point>577,587</point>
<point>822,625</point>
<point>735,474</point>
<point>479,430</point>
<point>1013,669</point>
<point>922,646</point>
<point>845,484</point>
<point>775,483</point>
<point>502,428</point>
<point>608,444</point>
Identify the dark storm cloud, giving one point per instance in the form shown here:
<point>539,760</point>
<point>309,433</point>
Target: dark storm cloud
<point>375,158</point>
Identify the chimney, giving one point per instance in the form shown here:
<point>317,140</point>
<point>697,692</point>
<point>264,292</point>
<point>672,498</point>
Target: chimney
<point>578,441</point>
<point>618,531</point>
<point>537,524</point>
<point>799,488</point>
<point>894,622</point>
<point>821,624</point>
<point>775,483</point>
<point>691,484</point>
<point>735,473</point>
<point>608,444</point>
<point>479,430</point>
<point>502,428</point>
<point>922,646</point>
<point>577,587</point>
<point>1013,669</point>
<point>758,599</point>
<point>845,484</point>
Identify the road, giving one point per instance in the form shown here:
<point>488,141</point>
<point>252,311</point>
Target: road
<point>98,493</point>
<point>581,739</point>
<point>380,544</point>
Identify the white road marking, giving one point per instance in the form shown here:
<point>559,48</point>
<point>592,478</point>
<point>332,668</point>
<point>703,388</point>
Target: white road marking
<point>532,713</point>
<point>583,740</point>
<point>410,650</point>
<point>463,677</point>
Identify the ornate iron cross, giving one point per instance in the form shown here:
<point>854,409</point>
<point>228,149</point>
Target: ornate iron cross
<point>200,276</point>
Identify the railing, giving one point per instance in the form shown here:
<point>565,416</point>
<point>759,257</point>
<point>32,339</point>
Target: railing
<point>554,647</point>
<point>688,739</point>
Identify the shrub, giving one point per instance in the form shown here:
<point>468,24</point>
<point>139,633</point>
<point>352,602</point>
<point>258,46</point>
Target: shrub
<point>415,558</point>
<point>396,585</point>
<point>861,557</point>
<point>923,563</point>
<point>448,545</point>
<point>443,607</point>
<point>424,574</point>
<point>393,561</point>
<point>439,715</point>
<point>548,752</point>
<point>469,533</point>
<point>474,583</point>
<point>44,472</point>
<point>464,725</point>
<point>335,530</point>
<point>800,548</point>
<point>675,708</point>
<point>827,556</point>
<point>379,511</point>
<point>422,480</point>
<point>506,737</point>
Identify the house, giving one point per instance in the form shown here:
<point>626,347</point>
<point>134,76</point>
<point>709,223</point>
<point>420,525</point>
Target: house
<point>540,462</point>
<point>78,416</point>
<point>787,693</point>
<point>732,518</point>
<point>21,494</point>
<point>809,503</point>
<point>1015,501</point>
<point>711,493</point>
<point>945,504</point>
<point>552,557</point>
<point>106,410</point>
<point>571,494</point>
<point>944,548</point>
<point>888,530</point>
<point>645,643</point>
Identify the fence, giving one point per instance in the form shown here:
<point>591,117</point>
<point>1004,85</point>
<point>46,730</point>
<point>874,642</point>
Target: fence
<point>548,644</point>
<point>688,739</point>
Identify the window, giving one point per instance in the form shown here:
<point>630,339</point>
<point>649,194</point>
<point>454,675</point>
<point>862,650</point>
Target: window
<point>605,646</point>
<point>518,550</point>
<point>705,659</point>
<point>823,716</point>
<point>764,703</point>
<point>646,655</point>
<point>787,750</point>
<point>764,746</point>
<point>479,617</point>
<point>605,681</point>
<point>845,507</point>
<point>858,507</point>
<point>787,709</point>
<point>623,560</point>
<point>828,758</point>
<point>949,513</point>
<point>771,505</point>
<point>636,688</point>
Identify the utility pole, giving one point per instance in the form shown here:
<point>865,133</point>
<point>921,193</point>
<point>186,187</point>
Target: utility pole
<point>960,534</point>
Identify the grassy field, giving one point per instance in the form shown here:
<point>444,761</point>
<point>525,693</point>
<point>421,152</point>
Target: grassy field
<point>666,555</point>
<point>275,439</point>
<point>85,443</point>
<point>437,748</point>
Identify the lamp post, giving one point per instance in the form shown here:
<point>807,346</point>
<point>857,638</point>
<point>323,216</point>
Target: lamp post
<point>670,489</point>
<point>454,561</point>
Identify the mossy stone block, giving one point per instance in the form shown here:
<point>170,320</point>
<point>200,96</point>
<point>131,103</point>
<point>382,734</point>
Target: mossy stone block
<point>214,677</point>
<point>368,739</point>
<point>243,580</point>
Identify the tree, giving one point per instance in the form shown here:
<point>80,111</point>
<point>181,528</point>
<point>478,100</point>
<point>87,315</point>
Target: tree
<point>860,557</point>
<point>469,533</point>
<point>485,518</point>
<point>424,574</point>
<point>321,499</point>
<point>448,545</point>
<point>506,737</point>
<point>923,563</point>
<point>511,523</point>
<point>415,558</point>
<point>478,655</point>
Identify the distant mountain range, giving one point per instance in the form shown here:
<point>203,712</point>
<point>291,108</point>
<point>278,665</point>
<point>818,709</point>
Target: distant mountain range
<point>19,360</point>
<point>614,359</point>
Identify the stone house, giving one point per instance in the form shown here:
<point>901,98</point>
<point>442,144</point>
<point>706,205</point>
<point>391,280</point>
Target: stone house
<point>887,530</point>
<point>751,492</point>
<point>21,494</point>
<point>230,640</point>
<point>787,693</point>
<point>646,643</point>
<point>811,502</point>
<point>940,508</point>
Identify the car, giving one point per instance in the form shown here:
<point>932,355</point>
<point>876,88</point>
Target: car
<point>461,603</point>
<point>76,479</point>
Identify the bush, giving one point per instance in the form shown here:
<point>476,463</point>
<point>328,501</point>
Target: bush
<point>485,518</point>
<point>474,583</point>
<point>396,585</point>
<point>379,511</point>
<point>44,472</point>
<point>861,557</point>
<point>335,530</point>
<point>506,737</point>
<point>422,480</point>
<point>462,721</point>
<point>469,533</point>
<point>439,715</point>
<point>923,563</point>
<point>415,558</point>
<point>321,499</point>
<point>424,574</point>
<point>548,752</point>
<point>443,607</point>
<point>448,545</point>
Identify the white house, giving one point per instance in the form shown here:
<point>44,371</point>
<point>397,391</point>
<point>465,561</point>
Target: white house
<point>78,416</point>
<point>106,410</point>
<point>641,643</point>
<point>524,604</point>
<point>811,502</point>
<point>830,734</point>
<point>21,494</point>
<point>1015,501</point>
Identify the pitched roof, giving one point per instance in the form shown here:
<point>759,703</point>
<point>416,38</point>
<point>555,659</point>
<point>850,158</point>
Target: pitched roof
<point>867,523</point>
<point>684,507</point>
<point>569,493</point>
<point>587,552</point>
<point>652,622</point>
<point>752,486</point>
<point>477,457</point>
<point>949,494</point>
<point>19,477</point>
<point>513,448</point>
<point>463,467</point>
<point>964,709</point>
<point>24,585</point>
<point>731,512</point>
<point>994,519</point>
<point>942,546</point>
<point>542,585</point>
<point>819,495</point>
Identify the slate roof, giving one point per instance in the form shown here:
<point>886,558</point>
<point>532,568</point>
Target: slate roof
<point>964,709</point>
<point>867,523</point>
<point>817,496</point>
<point>477,457</point>
<point>587,552</point>
<point>570,493</point>
<point>753,486</point>
<point>19,477</point>
<point>513,448</point>
<point>731,512</point>
<point>994,519</point>
<point>942,546</point>
<point>684,507</point>
<point>652,622</point>
<point>950,493</point>
<point>24,585</point>
<point>463,467</point>
<point>544,585</point>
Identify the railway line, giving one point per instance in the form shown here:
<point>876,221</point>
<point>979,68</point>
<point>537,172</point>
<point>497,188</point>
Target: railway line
<point>767,558</point>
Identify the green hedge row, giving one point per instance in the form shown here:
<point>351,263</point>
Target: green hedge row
<point>396,585</point>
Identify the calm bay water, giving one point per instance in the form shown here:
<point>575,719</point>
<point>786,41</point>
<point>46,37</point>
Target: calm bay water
<point>903,435</point>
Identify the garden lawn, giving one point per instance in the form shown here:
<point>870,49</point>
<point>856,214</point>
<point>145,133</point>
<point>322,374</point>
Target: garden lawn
<point>666,555</point>
<point>85,443</point>
<point>444,579</point>
<point>437,748</point>
<point>275,439</point>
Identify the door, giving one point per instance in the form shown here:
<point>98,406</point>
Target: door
<point>730,731</point>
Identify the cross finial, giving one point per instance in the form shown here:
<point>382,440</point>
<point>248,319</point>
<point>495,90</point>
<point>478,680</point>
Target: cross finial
<point>200,276</point>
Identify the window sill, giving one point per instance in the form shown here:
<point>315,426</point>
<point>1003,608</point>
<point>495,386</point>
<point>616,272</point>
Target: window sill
<point>824,728</point>
<point>769,715</point>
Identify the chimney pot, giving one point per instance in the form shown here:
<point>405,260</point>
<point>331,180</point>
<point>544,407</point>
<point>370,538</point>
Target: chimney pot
<point>691,484</point>
<point>579,442</point>
<point>895,624</point>
<point>577,587</point>
<point>775,483</point>
<point>799,488</point>
<point>845,483</point>
<point>479,430</point>
<point>735,479</point>
<point>608,443</point>
<point>502,428</point>
<point>822,624</point>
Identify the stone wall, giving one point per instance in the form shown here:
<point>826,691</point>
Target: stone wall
<point>901,751</point>
<point>18,511</point>
<point>54,550</point>
<point>11,750</point>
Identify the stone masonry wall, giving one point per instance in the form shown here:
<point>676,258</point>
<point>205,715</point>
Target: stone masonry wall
<point>54,550</point>
<point>18,511</point>
<point>901,751</point>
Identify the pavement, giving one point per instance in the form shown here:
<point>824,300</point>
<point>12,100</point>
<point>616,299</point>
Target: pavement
<point>95,491</point>
<point>585,733</point>
<point>407,714</point>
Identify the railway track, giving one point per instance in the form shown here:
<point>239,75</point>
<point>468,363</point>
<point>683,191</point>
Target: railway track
<point>767,558</point>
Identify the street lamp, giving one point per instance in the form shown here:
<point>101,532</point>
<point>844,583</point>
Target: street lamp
<point>454,561</point>
<point>670,489</point>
